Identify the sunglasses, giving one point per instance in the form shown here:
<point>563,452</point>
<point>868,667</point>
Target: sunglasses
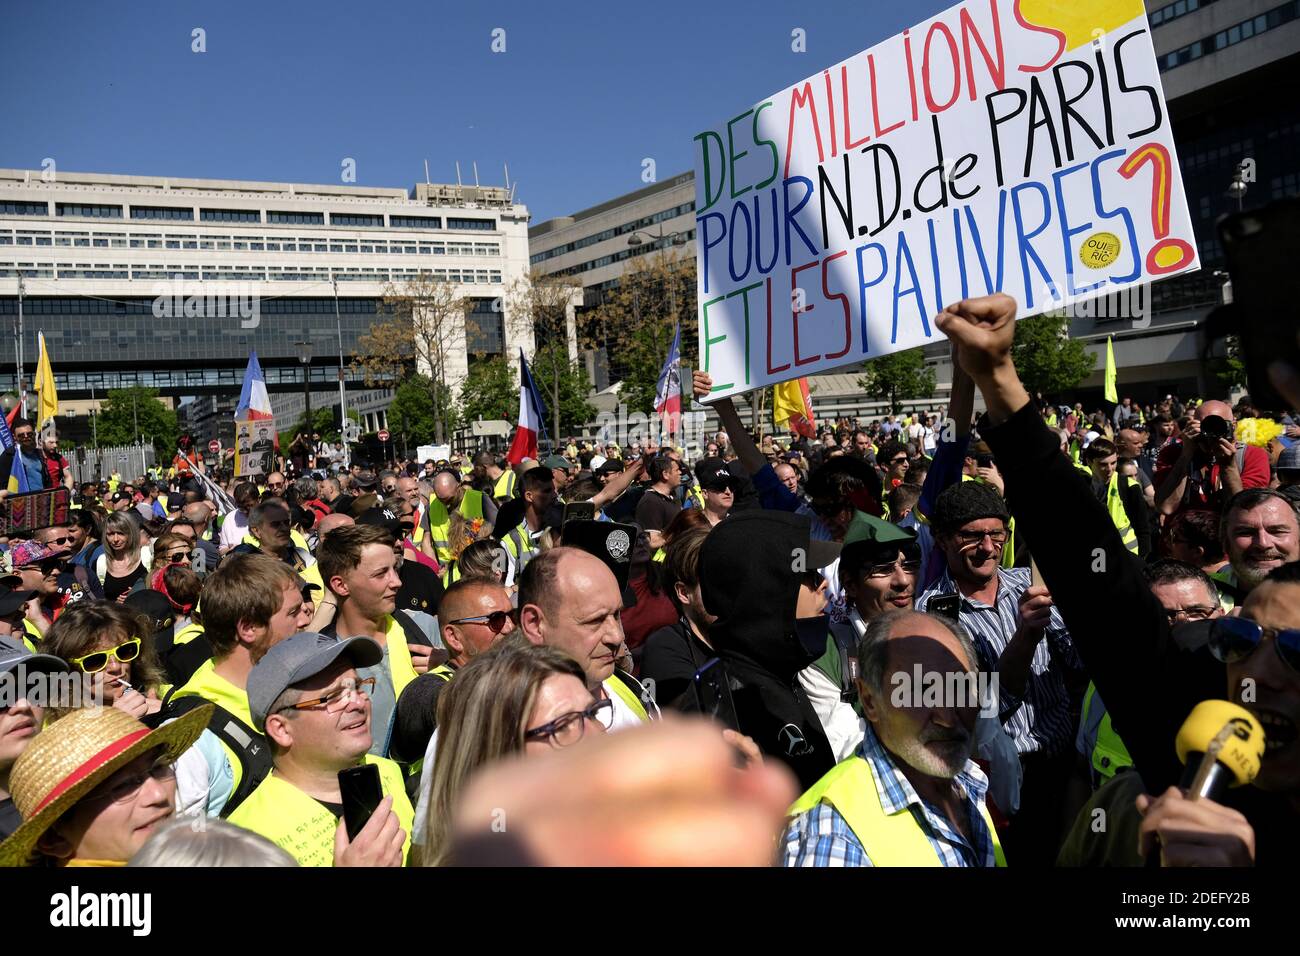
<point>494,621</point>
<point>1233,639</point>
<point>96,662</point>
<point>64,540</point>
<point>178,557</point>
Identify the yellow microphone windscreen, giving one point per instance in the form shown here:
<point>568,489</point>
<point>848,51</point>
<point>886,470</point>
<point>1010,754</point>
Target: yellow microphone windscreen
<point>1241,737</point>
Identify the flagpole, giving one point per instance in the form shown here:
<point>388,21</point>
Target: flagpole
<point>22,392</point>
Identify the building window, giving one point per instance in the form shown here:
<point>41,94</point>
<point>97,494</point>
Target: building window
<point>484,328</point>
<point>10,208</point>
<point>415,222</point>
<point>88,210</point>
<point>1269,20</point>
<point>486,225</point>
<point>161,212</point>
<point>351,219</point>
<point>230,215</point>
<point>296,218</point>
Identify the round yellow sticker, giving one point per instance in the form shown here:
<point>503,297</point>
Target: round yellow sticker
<point>1099,250</point>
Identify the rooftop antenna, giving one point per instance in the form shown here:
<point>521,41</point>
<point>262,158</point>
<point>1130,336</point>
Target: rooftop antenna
<point>460,190</point>
<point>474,163</point>
<point>507,166</point>
<point>426,172</point>
<point>512,194</point>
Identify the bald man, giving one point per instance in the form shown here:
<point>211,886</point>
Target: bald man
<point>1206,467</point>
<point>453,495</point>
<point>570,600</point>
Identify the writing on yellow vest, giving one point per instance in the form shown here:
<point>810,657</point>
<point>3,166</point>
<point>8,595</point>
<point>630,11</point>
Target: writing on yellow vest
<point>889,839</point>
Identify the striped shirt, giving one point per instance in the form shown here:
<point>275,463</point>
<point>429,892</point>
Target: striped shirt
<point>1044,718</point>
<point>821,836</point>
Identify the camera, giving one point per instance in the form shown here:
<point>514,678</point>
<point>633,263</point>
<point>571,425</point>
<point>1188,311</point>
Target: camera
<point>1215,427</point>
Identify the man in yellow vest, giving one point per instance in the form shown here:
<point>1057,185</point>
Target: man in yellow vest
<point>570,600</point>
<point>250,604</point>
<point>520,542</point>
<point>910,795</point>
<point>306,695</point>
<point>453,495</point>
<point>359,570</point>
<point>1121,496</point>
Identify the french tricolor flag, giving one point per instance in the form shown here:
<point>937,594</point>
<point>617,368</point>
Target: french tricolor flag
<point>668,390</point>
<point>254,402</point>
<point>532,414</point>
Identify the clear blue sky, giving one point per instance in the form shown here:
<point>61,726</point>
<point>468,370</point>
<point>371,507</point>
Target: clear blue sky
<point>288,89</point>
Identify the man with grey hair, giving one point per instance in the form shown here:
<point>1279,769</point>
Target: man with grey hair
<point>911,792</point>
<point>1260,531</point>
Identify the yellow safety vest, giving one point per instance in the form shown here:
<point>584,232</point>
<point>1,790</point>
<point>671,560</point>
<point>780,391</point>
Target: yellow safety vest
<point>470,508</point>
<point>614,686</point>
<point>1115,505</point>
<point>31,636</point>
<point>400,667</point>
<point>519,543</point>
<point>696,495</point>
<point>212,687</point>
<point>890,839</point>
<point>505,486</point>
<point>1109,755</point>
<point>301,825</point>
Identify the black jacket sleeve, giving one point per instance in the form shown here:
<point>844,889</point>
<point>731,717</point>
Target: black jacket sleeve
<point>1118,627</point>
<point>6,466</point>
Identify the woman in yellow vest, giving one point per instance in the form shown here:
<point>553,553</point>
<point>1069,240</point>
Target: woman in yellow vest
<point>515,698</point>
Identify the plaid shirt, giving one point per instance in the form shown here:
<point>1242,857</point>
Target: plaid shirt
<point>1045,717</point>
<point>821,836</point>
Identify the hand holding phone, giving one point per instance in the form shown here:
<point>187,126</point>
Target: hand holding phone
<point>361,794</point>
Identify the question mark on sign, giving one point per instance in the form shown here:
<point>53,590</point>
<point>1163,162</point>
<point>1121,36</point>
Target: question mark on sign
<point>1169,253</point>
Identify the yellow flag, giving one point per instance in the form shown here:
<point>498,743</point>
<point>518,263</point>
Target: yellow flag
<point>791,408</point>
<point>1111,394</point>
<point>49,398</point>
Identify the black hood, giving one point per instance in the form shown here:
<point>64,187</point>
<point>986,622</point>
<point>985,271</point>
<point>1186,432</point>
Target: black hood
<point>747,580</point>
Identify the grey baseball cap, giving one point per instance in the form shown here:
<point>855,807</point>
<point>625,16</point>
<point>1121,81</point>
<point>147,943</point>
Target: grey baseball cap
<point>14,652</point>
<point>1289,460</point>
<point>298,658</point>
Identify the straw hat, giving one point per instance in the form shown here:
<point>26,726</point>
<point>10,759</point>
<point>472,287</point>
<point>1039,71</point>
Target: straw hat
<point>75,754</point>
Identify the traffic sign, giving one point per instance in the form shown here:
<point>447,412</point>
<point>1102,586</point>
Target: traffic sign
<point>214,446</point>
<point>384,436</point>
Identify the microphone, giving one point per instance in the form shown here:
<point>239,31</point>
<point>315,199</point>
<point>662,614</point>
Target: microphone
<point>1221,745</point>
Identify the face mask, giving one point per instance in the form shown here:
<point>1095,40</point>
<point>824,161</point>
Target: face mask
<point>813,633</point>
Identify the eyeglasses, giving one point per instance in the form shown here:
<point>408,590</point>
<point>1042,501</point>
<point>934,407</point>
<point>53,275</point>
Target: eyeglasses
<point>901,459</point>
<point>969,539</point>
<point>128,787</point>
<point>389,489</point>
<point>178,557</point>
<point>1193,612</point>
<point>64,540</point>
<point>335,702</point>
<point>23,436</point>
<point>1233,639</point>
<point>883,570</point>
<point>275,485</point>
<point>96,662</point>
<point>567,729</point>
<point>495,621</point>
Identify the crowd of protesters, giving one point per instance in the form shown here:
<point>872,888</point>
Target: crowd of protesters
<point>499,640</point>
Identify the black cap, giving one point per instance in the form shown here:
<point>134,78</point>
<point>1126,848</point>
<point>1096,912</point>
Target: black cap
<point>11,601</point>
<point>381,518</point>
<point>712,474</point>
<point>967,501</point>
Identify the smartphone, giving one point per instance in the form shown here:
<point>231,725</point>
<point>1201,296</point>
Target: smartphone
<point>945,605</point>
<point>713,694</point>
<point>1259,245</point>
<point>361,795</point>
<point>984,461</point>
<point>579,511</point>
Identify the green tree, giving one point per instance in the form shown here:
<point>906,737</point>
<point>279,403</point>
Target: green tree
<point>490,391</point>
<point>322,423</point>
<point>1048,360</point>
<point>896,376</point>
<point>1230,370</point>
<point>126,408</point>
<point>411,414</point>
<point>574,387</point>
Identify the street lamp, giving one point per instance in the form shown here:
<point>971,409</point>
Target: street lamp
<point>1237,188</point>
<point>304,356</point>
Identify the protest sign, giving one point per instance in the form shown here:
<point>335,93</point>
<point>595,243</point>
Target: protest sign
<point>1020,146</point>
<point>255,443</point>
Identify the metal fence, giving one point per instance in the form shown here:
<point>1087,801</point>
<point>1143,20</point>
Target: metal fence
<point>98,464</point>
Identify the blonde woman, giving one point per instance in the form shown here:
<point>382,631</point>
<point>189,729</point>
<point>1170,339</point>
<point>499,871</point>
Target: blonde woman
<point>123,567</point>
<point>515,698</point>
